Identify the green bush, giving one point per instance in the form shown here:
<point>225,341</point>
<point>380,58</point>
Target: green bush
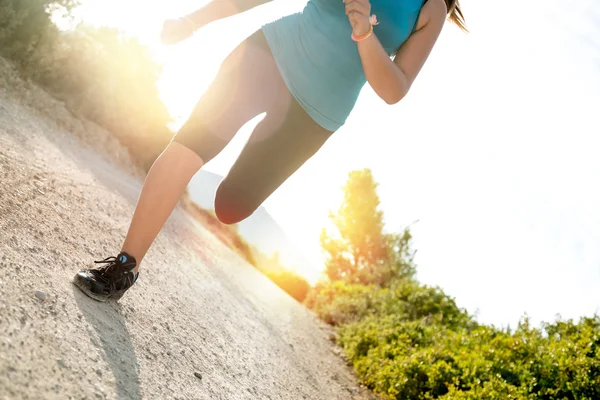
<point>412,342</point>
<point>428,360</point>
<point>339,303</point>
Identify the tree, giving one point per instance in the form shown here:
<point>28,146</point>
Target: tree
<point>100,74</point>
<point>359,251</point>
<point>397,263</point>
<point>24,24</point>
<point>118,89</point>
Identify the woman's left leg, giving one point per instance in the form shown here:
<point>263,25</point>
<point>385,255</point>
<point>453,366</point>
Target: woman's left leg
<point>280,144</point>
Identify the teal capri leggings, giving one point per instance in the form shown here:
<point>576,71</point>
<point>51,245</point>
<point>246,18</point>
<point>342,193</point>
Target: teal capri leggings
<point>248,84</point>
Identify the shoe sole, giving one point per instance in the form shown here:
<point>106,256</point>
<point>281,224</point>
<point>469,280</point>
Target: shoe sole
<point>85,288</point>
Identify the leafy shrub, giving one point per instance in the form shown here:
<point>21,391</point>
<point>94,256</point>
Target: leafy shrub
<point>412,342</point>
<point>338,303</point>
<point>427,360</point>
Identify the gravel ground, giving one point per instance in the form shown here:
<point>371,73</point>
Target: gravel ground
<point>199,324</point>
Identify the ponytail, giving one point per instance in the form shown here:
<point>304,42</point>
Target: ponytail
<point>455,14</point>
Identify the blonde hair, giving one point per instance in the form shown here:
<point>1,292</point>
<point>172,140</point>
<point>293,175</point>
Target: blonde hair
<point>455,14</point>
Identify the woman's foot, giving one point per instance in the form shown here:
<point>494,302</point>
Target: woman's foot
<point>109,281</point>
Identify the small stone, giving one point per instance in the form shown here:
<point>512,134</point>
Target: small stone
<point>61,363</point>
<point>99,372</point>
<point>198,375</point>
<point>41,295</point>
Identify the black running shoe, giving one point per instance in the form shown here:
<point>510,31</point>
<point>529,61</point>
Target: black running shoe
<point>109,281</point>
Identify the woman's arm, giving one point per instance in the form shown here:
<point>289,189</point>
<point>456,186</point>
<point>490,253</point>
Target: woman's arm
<point>391,80</point>
<point>176,30</point>
<point>219,9</point>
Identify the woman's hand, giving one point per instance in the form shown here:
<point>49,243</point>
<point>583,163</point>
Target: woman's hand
<point>391,80</point>
<point>176,30</point>
<point>359,15</point>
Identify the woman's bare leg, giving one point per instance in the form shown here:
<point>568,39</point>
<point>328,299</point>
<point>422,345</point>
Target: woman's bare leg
<point>166,181</point>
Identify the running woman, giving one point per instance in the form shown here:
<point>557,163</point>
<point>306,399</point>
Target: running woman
<point>305,71</point>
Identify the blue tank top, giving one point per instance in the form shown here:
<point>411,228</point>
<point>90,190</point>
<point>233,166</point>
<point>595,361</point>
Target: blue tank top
<point>319,61</point>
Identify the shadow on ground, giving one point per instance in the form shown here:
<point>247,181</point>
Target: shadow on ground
<point>115,343</point>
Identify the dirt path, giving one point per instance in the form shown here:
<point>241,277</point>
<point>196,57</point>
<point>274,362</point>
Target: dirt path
<point>198,308</point>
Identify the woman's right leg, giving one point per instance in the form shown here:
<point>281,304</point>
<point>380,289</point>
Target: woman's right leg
<point>165,182</point>
<point>164,185</point>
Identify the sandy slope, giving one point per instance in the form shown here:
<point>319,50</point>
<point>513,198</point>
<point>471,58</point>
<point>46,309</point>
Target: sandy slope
<point>198,308</point>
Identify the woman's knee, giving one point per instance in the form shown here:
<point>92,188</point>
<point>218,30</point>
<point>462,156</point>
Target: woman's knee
<point>195,138</point>
<point>180,158</point>
<point>231,206</point>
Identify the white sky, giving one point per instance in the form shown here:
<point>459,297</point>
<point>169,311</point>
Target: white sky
<point>494,151</point>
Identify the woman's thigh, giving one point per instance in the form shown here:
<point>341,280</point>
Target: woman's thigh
<point>248,83</point>
<point>279,145</point>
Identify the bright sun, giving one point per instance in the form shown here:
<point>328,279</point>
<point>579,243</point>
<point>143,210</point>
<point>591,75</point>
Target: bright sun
<point>190,66</point>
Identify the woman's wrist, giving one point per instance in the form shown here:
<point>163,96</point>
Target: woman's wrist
<point>362,30</point>
<point>364,35</point>
<point>365,30</point>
